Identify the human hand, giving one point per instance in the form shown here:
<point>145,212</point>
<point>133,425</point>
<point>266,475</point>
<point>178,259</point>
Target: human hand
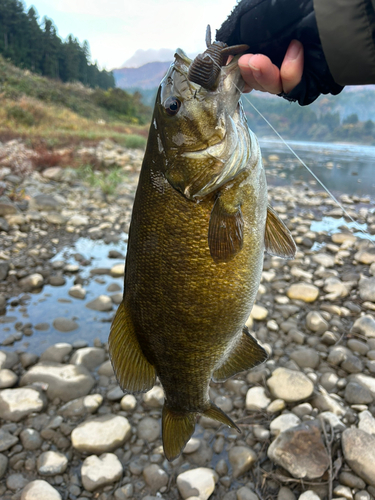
<point>260,73</point>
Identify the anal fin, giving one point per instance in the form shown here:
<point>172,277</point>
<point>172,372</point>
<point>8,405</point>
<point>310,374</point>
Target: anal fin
<point>277,238</point>
<point>134,373</point>
<point>246,354</point>
<point>177,428</point>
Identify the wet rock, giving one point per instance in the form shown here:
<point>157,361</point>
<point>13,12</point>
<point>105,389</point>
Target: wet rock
<point>15,404</point>
<point>30,439</point>
<point>290,385</point>
<point>77,291</point>
<point>31,282</point>
<point>66,382</point>
<point>154,398</point>
<point>57,280</point>
<point>7,440</point>
<point>102,434</point>
<point>365,325</point>
<point>241,459</point>
<point>56,352</point>
<point>367,289</point>
<point>149,429</point>
<point>65,325</point>
<point>155,477</point>
<point>256,399</point>
<point>51,463</point>
<point>7,378</point>
<point>359,452</point>
<point>8,359</point>
<point>90,357</point>
<point>4,270</point>
<point>97,472</point>
<point>102,303</point>
<point>300,451</point>
<point>197,483</point>
<point>303,291</point>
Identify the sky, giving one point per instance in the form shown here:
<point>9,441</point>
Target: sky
<point>115,29</point>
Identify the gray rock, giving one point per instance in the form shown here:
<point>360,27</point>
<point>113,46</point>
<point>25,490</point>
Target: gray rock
<point>324,259</point>
<point>241,459</point>
<point>359,452</point>
<point>56,352</point>
<point>365,381</point>
<point>315,322</point>
<point>57,280</point>
<point>300,451</point>
<point>4,270</point>
<point>7,207</point>
<point>246,494</point>
<point>367,289</point>
<point>78,220</point>
<point>102,303</point>
<point>90,357</point>
<point>45,202</point>
<point>81,406</point>
<point>309,495</point>
<point>284,422</point>
<point>106,369</point>
<point>351,480</point>
<point>366,422</point>
<point>8,359</point>
<point>365,325</point>
<point>356,394</point>
<point>51,463</point>
<point>285,494</point>
<point>7,378</point>
<point>199,483</point>
<point>3,465</point>
<point>333,420</point>
<point>306,358</point>
<point>256,399</point>
<point>115,394</point>
<point>30,439</point>
<point>66,382</point>
<point>16,482</point>
<point>64,325</point>
<point>329,381</point>
<point>53,173</point>
<point>102,434</point>
<point>352,364</point>
<point>155,477</point>
<point>290,385</point>
<point>7,440</point>
<point>97,472</point>
<point>15,404</point>
<point>324,402</point>
<point>149,429</point>
<point>39,490</point>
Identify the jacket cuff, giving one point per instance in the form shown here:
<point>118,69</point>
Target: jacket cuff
<point>346,30</point>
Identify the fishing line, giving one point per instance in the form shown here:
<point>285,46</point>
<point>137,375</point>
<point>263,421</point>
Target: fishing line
<point>363,231</point>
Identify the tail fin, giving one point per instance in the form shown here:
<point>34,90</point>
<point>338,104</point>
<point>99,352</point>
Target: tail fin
<point>178,427</point>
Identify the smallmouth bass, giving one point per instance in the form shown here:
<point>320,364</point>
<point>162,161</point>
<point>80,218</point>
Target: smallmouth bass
<point>200,225</point>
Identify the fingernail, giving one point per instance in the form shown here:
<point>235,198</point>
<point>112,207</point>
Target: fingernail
<point>293,50</point>
<point>254,68</point>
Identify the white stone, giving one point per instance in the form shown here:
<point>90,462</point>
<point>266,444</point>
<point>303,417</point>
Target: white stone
<point>290,385</point>
<point>118,270</point>
<point>97,472</point>
<point>103,303</point>
<point>154,398</point>
<point>56,352</point>
<point>102,434</point>
<point>78,220</point>
<point>198,483</point>
<point>77,291</point>
<point>259,313</point>
<point>128,402</point>
<point>51,463</point>
<point>284,422</point>
<point>15,404</point>
<point>39,490</point>
<point>256,399</point>
<point>7,378</point>
<point>303,291</point>
<point>149,429</point>
<point>90,357</point>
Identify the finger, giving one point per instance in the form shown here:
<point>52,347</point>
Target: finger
<point>292,67</point>
<point>246,72</point>
<point>261,74</point>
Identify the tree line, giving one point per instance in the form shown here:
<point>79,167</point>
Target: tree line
<point>37,47</point>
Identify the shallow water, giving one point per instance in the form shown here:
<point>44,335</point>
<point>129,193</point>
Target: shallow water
<point>343,168</point>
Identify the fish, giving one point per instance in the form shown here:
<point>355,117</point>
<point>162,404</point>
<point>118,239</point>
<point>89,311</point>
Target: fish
<point>200,225</point>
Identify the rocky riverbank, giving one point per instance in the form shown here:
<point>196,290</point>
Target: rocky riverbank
<point>67,430</point>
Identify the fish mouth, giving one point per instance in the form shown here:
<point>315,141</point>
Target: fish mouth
<point>216,151</point>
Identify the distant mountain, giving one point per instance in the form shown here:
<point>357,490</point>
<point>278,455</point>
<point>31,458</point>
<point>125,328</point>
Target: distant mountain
<point>141,57</point>
<point>147,76</point>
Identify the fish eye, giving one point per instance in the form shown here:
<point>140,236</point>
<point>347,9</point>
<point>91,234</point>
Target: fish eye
<point>172,106</point>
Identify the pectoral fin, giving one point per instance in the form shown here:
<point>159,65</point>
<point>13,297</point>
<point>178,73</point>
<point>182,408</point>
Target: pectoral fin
<point>134,373</point>
<point>225,232</point>
<point>247,354</point>
<point>277,238</point>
